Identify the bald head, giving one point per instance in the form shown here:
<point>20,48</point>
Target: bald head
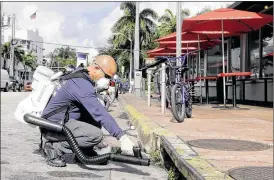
<point>107,63</point>
<point>102,65</point>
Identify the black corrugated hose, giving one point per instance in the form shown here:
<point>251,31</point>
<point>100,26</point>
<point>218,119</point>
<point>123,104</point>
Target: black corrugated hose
<point>43,123</point>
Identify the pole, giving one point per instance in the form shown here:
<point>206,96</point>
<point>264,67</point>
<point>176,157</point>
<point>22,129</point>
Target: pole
<point>178,33</point>
<point>148,87</point>
<point>188,62</point>
<point>130,63</point>
<point>163,90</point>
<point>12,47</point>
<point>1,59</point>
<point>137,82</point>
<point>223,50</point>
<point>192,66</point>
<point>200,72</point>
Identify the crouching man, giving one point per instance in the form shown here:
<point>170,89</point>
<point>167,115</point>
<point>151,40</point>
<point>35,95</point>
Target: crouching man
<point>84,116</point>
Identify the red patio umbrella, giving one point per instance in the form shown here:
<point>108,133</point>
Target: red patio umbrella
<point>233,20</point>
<point>226,19</point>
<point>169,49</point>
<point>151,55</point>
<point>193,36</point>
<point>204,43</point>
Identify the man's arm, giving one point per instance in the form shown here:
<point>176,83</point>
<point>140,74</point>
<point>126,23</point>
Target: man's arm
<point>85,94</point>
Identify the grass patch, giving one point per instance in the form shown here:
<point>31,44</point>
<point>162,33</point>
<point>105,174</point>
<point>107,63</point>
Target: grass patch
<point>156,159</point>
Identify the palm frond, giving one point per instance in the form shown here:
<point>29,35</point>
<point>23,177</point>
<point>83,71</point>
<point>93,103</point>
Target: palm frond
<point>149,13</point>
<point>185,12</point>
<point>169,13</point>
<point>129,8</point>
<point>164,18</point>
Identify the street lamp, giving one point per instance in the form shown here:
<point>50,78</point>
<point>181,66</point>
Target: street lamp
<point>130,62</point>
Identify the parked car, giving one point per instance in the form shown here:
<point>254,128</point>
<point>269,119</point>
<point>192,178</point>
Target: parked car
<point>28,87</point>
<point>5,80</point>
<point>15,85</point>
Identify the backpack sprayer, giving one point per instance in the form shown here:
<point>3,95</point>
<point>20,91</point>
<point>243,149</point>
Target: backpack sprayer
<point>29,111</point>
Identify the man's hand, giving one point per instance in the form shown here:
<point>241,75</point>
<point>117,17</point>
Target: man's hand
<point>126,145</point>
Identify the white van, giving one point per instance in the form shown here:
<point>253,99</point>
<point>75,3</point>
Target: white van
<point>5,80</point>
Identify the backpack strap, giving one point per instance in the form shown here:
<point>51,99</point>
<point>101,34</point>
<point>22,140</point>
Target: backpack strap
<point>82,73</point>
<point>56,111</point>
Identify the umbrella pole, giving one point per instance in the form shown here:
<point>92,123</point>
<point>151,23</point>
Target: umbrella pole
<point>200,82</point>
<point>223,49</point>
<point>187,61</point>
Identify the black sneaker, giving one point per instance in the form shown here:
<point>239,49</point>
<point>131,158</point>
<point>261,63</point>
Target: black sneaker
<point>52,157</point>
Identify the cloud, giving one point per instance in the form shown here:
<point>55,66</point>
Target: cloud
<point>81,23</point>
<point>60,23</point>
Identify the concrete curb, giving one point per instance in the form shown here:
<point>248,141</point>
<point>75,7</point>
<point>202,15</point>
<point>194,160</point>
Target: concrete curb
<point>153,136</point>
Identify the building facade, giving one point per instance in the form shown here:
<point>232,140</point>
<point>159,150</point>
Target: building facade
<point>250,52</point>
<point>32,43</point>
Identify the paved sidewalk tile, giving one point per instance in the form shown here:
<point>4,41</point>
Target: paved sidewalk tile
<point>254,125</point>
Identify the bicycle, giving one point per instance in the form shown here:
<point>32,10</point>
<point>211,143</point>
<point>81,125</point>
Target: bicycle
<point>178,91</point>
<point>180,99</point>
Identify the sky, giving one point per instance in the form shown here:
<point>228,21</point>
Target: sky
<point>85,24</point>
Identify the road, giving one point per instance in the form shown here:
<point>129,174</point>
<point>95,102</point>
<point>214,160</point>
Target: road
<point>20,160</point>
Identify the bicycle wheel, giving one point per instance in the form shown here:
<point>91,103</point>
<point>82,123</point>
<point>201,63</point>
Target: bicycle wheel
<point>177,104</point>
<point>168,95</point>
<point>188,107</point>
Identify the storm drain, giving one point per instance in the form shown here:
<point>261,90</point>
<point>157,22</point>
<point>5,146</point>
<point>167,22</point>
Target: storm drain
<point>228,145</point>
<point>252,173</point>
<point>73,174</point>
<point>123,116</point>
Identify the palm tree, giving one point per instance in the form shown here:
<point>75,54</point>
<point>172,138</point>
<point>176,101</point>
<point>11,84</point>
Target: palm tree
<point>126,24</point>
<point>204,10</point>
<point>65,56</point>
<point>168,22</point>
<point>18,53</point>
<point>28,60</point>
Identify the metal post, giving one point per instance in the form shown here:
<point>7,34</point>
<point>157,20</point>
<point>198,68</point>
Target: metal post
<point>188,63</point>
<point>1,34</point>
<point>205,62</point>
<point>205,74</point>
<point>192,64</point>
<point>148,87</point>
<point>179,32</point>
<point>130,63</point>
<point>137,47</point>
<point>200,72</point>
<point>11,47</point>
<point>260,53</point>
<point>223,52</point>
<point>196,62</point>
<point>163,90</point>
<point>144,88</point>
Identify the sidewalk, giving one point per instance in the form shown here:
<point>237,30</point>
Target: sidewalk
<point>254,125</point>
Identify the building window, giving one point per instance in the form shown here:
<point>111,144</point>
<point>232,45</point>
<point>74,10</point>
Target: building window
<point>215,61</point>
<point>28,45</point>
<point>267,61</point>
<point>254,56</point>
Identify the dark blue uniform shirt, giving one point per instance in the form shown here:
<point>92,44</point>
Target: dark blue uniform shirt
<point>86,107</point>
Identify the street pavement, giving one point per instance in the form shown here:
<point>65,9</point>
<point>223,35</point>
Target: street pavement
<point>254,125</point>
<point>20,160</point>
